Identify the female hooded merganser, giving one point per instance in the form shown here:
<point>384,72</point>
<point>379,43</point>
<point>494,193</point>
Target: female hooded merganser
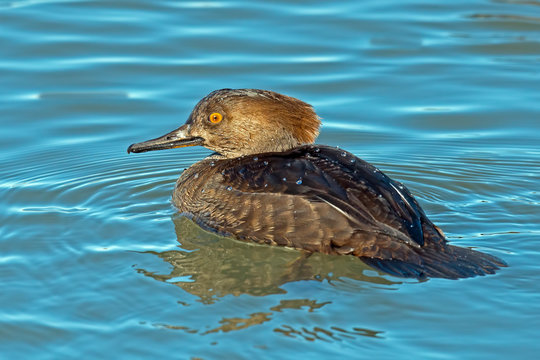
<point>268,183</point>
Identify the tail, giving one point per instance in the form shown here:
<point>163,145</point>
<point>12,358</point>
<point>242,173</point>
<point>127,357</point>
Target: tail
<point>450,262</point>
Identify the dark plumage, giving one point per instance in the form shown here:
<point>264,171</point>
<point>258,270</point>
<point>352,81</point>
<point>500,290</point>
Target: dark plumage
<point>268,185</point>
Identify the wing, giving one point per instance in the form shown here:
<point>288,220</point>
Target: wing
<point>316,198</point>
<point>324,199</point>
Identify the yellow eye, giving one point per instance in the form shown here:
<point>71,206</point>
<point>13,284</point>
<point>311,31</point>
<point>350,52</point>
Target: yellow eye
<point>216,117</point>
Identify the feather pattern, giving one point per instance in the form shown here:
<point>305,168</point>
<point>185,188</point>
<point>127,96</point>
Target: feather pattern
<point>324,199</point>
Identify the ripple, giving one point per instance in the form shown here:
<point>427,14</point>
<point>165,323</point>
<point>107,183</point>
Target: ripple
<point>49,209</point>
<point>329,335</point>
<point>83,95</point>
<point>201,4</point>
<point>505,17</point>
<point>26,3</point>
<point>12,259</point>
<point>437,109</point>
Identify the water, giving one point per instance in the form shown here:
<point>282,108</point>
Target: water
<point>94,262</point>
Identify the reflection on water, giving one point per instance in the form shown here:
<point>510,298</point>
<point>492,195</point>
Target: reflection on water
<point>333,333</point>
<point>318,333</point>
<point>211,266</point>
<point>311,305</point>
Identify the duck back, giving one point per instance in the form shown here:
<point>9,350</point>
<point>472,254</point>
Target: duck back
<point>324,199</point>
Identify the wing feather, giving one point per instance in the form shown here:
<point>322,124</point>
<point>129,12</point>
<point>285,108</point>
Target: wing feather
<point>316,198</point>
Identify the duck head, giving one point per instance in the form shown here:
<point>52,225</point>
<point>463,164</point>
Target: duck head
<point>237,122</point>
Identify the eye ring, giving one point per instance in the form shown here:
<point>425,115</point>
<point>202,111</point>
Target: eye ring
<point>215,117</point>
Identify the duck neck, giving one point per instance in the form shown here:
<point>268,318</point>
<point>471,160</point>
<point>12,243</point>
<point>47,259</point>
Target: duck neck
<point>268,144</point>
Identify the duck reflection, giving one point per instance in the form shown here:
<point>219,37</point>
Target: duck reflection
<point>210,266</point>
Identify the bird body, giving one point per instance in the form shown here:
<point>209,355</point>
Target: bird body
<point>267,183</point>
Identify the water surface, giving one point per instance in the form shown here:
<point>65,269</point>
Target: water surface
<point>94,260</point>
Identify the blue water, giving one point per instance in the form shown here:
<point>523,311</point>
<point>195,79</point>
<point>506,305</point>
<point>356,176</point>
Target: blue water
<point>94,260</point>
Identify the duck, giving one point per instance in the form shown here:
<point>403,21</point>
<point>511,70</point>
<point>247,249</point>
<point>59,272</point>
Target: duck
<point>267,182</point>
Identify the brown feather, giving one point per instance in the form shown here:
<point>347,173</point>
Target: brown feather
<point>322,199</point>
